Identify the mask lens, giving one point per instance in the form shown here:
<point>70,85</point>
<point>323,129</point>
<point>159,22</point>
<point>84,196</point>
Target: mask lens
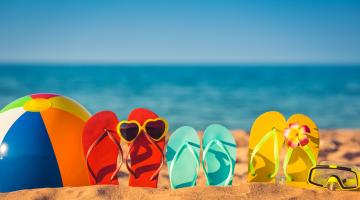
<point>156,129</point>
<point>129,131</point>
<point>321,176</point>
<point>348,179</point>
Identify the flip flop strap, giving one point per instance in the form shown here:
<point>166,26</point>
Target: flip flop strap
<point>222,147</point>
<point>259,145</point>
<point>118,166</point>
<point>156,173</point>
<point>126,161</point>
<point>159,168</point>
<point>289,152</point>
<point>176,157</point>
<point>95,143</point>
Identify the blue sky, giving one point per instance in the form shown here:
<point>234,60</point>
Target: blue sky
<point>180,31</point>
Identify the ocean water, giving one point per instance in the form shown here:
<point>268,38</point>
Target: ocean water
<point>198,96</point>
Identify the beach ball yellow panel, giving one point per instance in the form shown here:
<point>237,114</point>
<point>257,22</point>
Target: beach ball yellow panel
<point>40,143</point>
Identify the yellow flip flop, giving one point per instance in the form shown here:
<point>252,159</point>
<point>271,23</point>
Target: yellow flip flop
<point>265,142</point>
<point>302,149</point>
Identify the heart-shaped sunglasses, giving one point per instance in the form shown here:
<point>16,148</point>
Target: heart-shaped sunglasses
<point>155,128</point>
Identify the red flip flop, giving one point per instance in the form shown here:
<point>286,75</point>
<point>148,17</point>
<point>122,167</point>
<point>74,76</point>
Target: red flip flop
<point>101,145</point>
<point>146,155</point>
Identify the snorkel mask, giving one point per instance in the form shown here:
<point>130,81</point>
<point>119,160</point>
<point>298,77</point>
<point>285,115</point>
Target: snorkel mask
<point>334,176</point>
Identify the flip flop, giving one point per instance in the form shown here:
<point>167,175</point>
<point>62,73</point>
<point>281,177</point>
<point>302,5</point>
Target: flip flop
<point>219,155</point>
<point>182,156</point>
<point>146,155</point>
<point>302,144</point>
<point>101,146</point>
<point>265,142</point>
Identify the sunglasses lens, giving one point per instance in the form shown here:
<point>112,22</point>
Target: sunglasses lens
<point>156,129</point>
<point>129,131</point>
<point>321,176</point>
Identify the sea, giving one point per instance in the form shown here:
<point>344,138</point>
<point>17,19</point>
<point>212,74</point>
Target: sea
<point>197,95</point>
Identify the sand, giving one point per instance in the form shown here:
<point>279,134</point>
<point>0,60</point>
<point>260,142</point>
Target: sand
<point>341,145</point>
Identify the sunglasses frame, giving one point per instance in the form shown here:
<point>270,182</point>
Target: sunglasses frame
<point>142,128</point>
<point>343,187</point>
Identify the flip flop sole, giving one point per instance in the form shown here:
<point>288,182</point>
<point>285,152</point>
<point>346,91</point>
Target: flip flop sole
<point>145,157</point>
<point>104,156</point>
<point>216,160</point>
<point>299,163</point>
<point>184,169</point>
<point>264,160</point>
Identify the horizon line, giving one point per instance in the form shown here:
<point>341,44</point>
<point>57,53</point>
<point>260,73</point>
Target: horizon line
<point>174,64</point>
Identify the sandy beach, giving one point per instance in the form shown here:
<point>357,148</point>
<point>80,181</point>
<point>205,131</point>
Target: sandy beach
<point>340,145</point>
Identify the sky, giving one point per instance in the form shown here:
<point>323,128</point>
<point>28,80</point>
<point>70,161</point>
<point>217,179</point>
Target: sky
<point>180,31</point>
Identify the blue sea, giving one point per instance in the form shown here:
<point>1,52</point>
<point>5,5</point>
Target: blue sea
<point>198,95</point>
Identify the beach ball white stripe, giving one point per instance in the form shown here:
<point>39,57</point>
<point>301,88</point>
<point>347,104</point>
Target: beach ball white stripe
<point>7,119</point>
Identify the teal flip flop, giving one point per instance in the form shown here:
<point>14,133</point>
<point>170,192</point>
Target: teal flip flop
<point>182,157</point>
<point>219,155</point>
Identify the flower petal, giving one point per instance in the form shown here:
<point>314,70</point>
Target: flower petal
<point>287,132</point>
<point>304,141</point>
<point>305,129</point>
<point>294,125</point>
<point>292,144</point>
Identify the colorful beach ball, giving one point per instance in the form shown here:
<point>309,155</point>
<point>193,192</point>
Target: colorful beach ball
<point>40,143</point>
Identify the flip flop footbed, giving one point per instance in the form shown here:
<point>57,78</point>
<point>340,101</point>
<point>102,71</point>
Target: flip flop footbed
<point>219,155</point>
<point>264,162</point>
<point>182,156</point>
<point>145,160</point>
<point>299,163</point>
<point>103,157</point>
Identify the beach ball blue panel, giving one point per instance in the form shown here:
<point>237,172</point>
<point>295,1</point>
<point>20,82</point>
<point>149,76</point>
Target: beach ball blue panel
<point>32,159</point>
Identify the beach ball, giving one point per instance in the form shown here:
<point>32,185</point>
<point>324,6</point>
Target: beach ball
<point>40,143</point>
